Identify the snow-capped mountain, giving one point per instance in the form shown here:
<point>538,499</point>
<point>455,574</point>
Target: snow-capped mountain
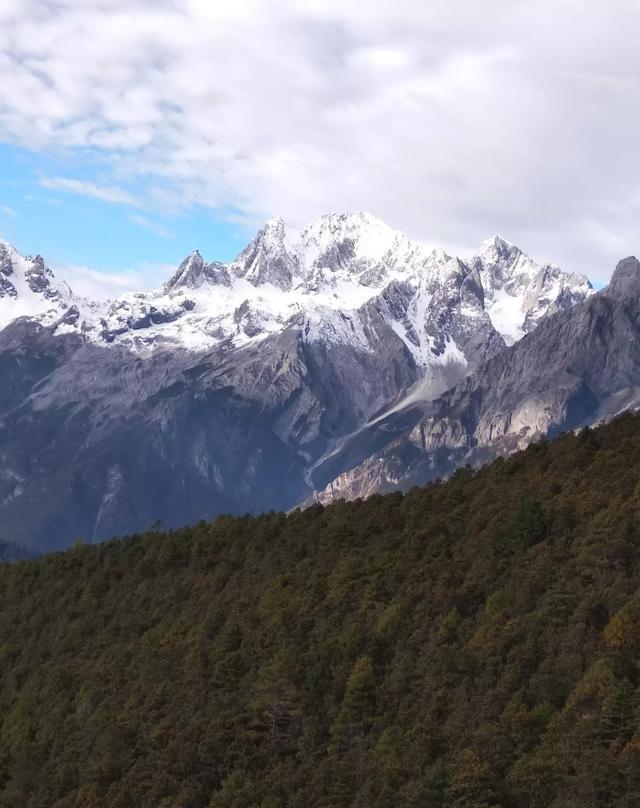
<point>227,387</point>
<point>338,264</point>
<point>324,276</point>
<point>518,292</point>
<point>579,367</point>
<point>29,289</point>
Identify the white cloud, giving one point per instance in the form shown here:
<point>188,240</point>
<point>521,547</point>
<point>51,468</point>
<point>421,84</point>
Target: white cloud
<point>99,285</point>
<point>8,211</point>
<point>107,193</point>
<point>450,121</point>
<point>147,224</point>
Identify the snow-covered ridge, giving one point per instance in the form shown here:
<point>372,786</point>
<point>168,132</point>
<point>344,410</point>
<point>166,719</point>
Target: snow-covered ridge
<point>330,279</point>
<point>28,288</point>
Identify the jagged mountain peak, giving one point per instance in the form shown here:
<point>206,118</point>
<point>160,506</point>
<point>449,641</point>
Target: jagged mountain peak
<point>503,259</point>
<point>439,264</point>
<point>274,233</point>
<point>370,236</point>
<point>268,257</point>
<point>22,263</point>
<point>10,256</point>
<point>518,291</point>
<point>497,245</point>
<point>28,288</point>
<point>194,272</point>
<point>6,247</point>
<point>330,225</point>
<point>341,222</point>
<point>498,260</point>
<point>276,223</point>
<point>192,263</point>
<point>355,243</point>
<point>625,281</point>
<point>337,263</point>
<point>440,256</point>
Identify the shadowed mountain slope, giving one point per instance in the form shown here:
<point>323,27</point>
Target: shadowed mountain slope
<point>578,367</point>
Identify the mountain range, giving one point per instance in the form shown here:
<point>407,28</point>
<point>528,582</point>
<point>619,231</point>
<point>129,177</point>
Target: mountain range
<point>333,361</point>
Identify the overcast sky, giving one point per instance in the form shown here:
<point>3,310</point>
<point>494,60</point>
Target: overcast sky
<point>136,131</point>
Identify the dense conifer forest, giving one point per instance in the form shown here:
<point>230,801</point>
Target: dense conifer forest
<point>472,643</point>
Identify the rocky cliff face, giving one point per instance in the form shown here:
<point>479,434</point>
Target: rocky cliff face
<point>578,367</point>
<point>237,387</point>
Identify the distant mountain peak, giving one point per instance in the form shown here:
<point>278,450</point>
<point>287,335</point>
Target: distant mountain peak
<point>362,222</point>
<point>267,259</point>
<point>440,256</point>
<point>625,280</point>
<point>498,249</point>
<point>499,242</point>
<point>28,288</point>
<point>337,263</point>
<point>194,271</point>
<point>188,270</point>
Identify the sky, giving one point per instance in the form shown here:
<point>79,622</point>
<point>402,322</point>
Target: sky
<point>134,131</point>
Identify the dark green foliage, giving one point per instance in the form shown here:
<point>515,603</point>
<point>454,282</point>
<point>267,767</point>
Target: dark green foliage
<point>355,717</point>
<point>474,643</point>
<point>617,721</point>
<point>528,525</point>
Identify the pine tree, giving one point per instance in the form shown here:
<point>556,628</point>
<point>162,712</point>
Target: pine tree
<point>616,721</point>
<point>357,708</point>
<point>471,784</point>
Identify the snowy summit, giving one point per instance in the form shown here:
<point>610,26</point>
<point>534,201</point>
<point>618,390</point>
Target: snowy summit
<point>324,278</point>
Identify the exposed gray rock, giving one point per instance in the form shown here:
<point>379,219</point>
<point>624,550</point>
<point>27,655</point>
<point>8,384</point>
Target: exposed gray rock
<point>266,259</point>
<point>194,271</point>
<point>578,367</point>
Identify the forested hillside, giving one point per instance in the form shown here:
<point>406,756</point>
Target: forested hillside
<point>473,643</point>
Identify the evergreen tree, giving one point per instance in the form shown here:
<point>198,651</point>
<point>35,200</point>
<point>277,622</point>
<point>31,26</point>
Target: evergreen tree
<point>616,724</point>
<point>357,708</point>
